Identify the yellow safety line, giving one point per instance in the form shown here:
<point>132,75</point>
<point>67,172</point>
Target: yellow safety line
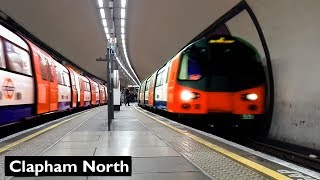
<point>225,152</point>
<point>5,148</point>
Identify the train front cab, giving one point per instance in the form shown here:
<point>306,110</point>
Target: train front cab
<point>229,84</point>
<point>231,88</point>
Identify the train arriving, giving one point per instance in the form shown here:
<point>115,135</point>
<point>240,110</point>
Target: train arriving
<point>217,76</point>
<point>33,83</point>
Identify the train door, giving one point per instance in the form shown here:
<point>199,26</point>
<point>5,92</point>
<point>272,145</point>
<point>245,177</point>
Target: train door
<point>53,87</point>
<point>151,90</point>
<point>106,93</point>
<point>142,89</point>
<point>171,85</point>
<point>73,89</point>
<point>146,91</point>
<point>81,87</point>
<point>97,94</point>
<point>43,86</point>
<point>93,92</point>
<point>160,89</point>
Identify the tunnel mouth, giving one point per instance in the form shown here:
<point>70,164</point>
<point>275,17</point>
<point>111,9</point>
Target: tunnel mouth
<point>221,63</point>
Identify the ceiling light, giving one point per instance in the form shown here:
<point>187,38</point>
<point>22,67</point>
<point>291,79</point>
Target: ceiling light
<point>122,22</point>
<point>108,36</point>
<point>122,36</point>
<point>106,30</point>
<point>100,3</point>
<point>123,13</point>
<point>123,3</point>
<point>122,30</point>
<point>104,22</point>
<point>102,13</point>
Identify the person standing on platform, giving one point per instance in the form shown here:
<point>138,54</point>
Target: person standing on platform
<point>128,98</point>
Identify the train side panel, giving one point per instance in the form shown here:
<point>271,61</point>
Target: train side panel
<point>16,79</point>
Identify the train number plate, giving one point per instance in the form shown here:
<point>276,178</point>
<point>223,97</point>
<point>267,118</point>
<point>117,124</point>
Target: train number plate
<point>247,116</point>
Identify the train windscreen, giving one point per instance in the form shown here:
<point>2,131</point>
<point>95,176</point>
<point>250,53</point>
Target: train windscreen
<point>221,64</point>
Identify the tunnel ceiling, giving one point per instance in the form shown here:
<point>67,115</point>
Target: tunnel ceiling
<point>155,30</point>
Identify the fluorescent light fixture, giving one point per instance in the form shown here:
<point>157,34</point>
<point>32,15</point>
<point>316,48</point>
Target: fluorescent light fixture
<point>100,3</point>
<point>104,22</point>
<point>123,3</point>
<point>108,36</point>
<point>122,22</point>
<point>102,13</point>
<point>125,70</point>
<point>122,30</point>
<point>123,36</point>
<point>106,30</point>
<point>123,13</point>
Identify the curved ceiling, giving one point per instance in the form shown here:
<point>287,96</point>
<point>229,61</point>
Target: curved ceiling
<point>156,30</point>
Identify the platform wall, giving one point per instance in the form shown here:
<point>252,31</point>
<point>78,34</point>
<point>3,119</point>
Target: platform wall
<point>291,29</point>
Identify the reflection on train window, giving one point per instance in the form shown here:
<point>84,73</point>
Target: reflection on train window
<point>148,85</point>
<point>2,62</point>
<point>87,86</point>
<point>50,71</point>
<point>160,77</point>
<point>66,79</point>
<point>60,79</point>
<point>190,68</point>
<point>18,59</point>
<point>44,68</point>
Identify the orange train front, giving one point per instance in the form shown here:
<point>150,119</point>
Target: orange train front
<point>214,75</point>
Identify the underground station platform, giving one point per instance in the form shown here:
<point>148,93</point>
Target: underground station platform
<point>161,149</point>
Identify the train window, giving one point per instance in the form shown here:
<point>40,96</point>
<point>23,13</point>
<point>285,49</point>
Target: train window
<point>190,68</point>
<point>168,70</point>
<point>18,59</point>
<point>148,85</point>
<point>44,68</point>
<point>87,86</point>
<point>2,61</point>
<point>66,79</point>
<point>60,78</point>
<point>159,79</point>
<point>73,83</point>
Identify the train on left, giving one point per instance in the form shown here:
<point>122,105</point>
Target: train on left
<point>33,83</point>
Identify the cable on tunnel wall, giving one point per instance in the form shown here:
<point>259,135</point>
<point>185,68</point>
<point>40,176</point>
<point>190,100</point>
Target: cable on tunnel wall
<point>16,28</point>
<point>237,9</point>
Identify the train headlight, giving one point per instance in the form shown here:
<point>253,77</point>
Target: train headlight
<point>187,95</point>
<point>251,96</point>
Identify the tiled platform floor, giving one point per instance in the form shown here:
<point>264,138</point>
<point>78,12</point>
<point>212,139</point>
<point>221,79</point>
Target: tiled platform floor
<point>152,158</point>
